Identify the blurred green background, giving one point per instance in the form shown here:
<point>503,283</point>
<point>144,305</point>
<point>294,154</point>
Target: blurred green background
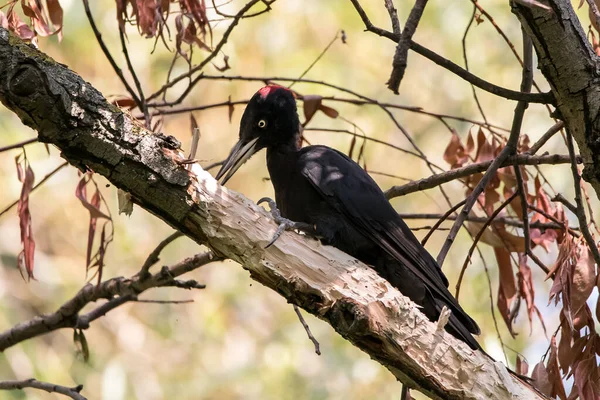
<point>239,340</point>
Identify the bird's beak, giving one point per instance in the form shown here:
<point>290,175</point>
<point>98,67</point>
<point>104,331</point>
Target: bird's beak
<point>240,153</point>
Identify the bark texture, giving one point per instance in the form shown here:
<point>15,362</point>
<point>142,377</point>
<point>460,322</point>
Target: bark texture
<point>69,113</point>
<point>572,68</point>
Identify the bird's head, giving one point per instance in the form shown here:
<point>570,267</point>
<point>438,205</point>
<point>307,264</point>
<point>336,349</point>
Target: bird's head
<point>270,120</point>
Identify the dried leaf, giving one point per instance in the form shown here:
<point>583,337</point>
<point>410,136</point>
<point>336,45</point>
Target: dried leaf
<point>26,177</point>
<point>3,20</point>
<point>312,103</point>
<point>455,152</point>
<point>584,276</point>
<point>554,373</point>
<point>20,28</point>
<point>540,379</point>
<point>507,277</point>
<point>230,109</point>
<point>330,112</point>
<point>521,366</point>
<point>55,12</point>
<point>124,102</point>
<point>80,192</point>
<point>526,289</point>
<point>81,345</point>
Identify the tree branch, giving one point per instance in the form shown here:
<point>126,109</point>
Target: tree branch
<point>46,386</point>
<point>359,305</point>
<point>544,98</point>
<point>468,170</point>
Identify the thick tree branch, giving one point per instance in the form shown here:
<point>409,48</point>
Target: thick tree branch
<point>571,66</point>
<point>362,307</point>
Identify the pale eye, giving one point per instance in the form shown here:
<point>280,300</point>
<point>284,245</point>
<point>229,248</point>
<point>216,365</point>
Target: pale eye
<point>262,123</point>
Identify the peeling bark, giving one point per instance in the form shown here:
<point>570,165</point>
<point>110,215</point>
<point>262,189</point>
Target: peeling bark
<point>362,307</point>
<point>570,65</point>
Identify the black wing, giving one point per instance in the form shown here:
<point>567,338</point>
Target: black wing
<point>347,188</point>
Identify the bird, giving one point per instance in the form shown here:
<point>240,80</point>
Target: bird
<point>324,193</point>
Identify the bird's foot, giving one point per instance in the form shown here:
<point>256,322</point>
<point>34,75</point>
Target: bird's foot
<point>284,223</point>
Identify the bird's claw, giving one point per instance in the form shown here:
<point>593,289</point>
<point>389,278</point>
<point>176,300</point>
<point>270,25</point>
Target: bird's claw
<point>284,223</point>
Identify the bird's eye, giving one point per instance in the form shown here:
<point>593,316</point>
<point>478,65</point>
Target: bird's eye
<point>262,123</point>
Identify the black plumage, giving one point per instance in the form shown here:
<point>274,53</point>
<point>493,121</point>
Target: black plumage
<point>324,188</point>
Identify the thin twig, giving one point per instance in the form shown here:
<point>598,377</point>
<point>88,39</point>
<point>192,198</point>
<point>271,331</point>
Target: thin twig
<point>46,386</point>
<point>107,54</point>
<point>212,55</point>
<point>153,257</point>
<point>544,98</point>
<point>18,145</point>
<point>117,290</point>
<point>509,150</point>
<point>509,221</point>
<point>141,101</point>
<point>580,211</point>
<point>458,173</point>
<point>401,56</point>
<point>307,329</point>
<point>546,136</point>
<point>466,59</point>
<point>441,220</point>
<point>483,229</point>
<point>335,38</point>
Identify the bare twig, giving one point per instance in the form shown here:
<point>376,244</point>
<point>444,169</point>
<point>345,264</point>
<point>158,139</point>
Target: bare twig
<point>117,290</point>
<point>509,150</point>
<point>580,211</point>
<point>441,220</point>
<point>307,329</point>
<point>546,136</point>
<point>141,101</point>
<point>153,257</point>
<point>466,59</point>
<point>458,173</point>
<point>389,5</point>
<point>46,386</point>
<point>212,55</point>
<point>335,38</point>
<point>508,221</point>
<point>401,55</point>
<point>18,145</point>
<point>543,98</point>
<point>487,223</point>
<point>107,54</point>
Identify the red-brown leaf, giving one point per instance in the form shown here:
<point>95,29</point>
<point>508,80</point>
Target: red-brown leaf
<point>80,192</point>
<point>55,12</point>
<point>521,366</point>
<point>584,277</point>
<point>507,276</point>
<point>541,379</point>
<point>554,373</point>
<point>330,112</point>
<point>26,177</point>
<point>312,103</point>
<point>19,27</point>
<point>455,152</point>
<point>3,20</point>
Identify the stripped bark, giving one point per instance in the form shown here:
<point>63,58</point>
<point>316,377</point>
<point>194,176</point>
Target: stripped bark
<point>362,307</point>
